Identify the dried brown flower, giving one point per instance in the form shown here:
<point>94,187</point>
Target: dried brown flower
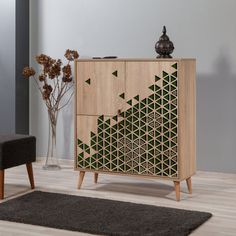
<point>66,80</point>
<point>52,92</point>
<point>66,73</point>
<point>47,91</point>
<point>55,70</point>
<point>71,55</point>
<point>48,87</point>
<point>42,77</point>
<point>75,54</point>
<point>44,60</point>
<point>45,95</point>
<point>28,71</point>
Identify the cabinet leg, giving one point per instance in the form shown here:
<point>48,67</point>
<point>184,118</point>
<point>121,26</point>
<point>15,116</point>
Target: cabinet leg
<point>81,178</point>
<point>189,184</point>
<point>177,190</point>
<point>95,178</point>
<point>29,168</point>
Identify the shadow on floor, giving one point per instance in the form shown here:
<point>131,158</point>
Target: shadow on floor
<point>141,189</point>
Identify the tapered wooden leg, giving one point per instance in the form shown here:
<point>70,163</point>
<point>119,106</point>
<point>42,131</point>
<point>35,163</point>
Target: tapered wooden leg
<point>95,178</point>
<point>1,184</point>
<point>81,178</point>
<point>30,174</point>
<point>189,184</point>
<point>177,190</point>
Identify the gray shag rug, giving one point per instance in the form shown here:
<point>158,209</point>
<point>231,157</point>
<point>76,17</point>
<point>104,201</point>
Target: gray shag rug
<point>100,216</point>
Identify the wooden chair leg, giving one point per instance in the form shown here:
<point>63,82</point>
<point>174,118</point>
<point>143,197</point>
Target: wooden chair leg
<point>177,190</point>
<point>95,178</point>
<point>1,184</point>
<point>189,184</point>
<point>81,178</point>
<point>30,174</point>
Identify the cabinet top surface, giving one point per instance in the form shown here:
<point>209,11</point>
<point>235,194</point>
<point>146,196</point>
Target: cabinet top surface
<point>136,59</point>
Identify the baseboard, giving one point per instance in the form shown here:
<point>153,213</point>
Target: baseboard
<point>69,162</point>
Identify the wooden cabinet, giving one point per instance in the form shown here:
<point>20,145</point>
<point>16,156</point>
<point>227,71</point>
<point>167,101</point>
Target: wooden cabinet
<point>136,117</point>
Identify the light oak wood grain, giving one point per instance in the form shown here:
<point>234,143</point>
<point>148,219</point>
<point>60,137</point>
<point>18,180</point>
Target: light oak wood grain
<point>177,190</point>
<point>186,118</point>
<point>189,184</point>
<point>81,178</point>
<point>101,96</point>
<point>140,75</point>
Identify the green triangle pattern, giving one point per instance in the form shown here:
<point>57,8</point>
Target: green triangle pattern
<point>175,66</point>
<point>136,98</point>
<point>144,138</point>
<point>130,102</point>
<point>157,78</point>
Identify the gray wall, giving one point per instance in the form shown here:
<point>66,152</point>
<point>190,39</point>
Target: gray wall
<point>129,28</point>
<point>14,55</point>
<point>7,66</point>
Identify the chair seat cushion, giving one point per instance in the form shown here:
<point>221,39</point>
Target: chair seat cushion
<point>16,150</point>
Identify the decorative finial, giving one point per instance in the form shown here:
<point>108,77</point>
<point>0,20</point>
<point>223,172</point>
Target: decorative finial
<point>164,30</point>
<point>164,47</point>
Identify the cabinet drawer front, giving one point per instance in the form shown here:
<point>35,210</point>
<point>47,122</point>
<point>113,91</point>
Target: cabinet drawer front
<point>99,86</point>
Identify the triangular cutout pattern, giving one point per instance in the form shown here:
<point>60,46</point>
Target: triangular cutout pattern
<point>130,102</point>
<point>88,81</point>
<point>122,95</point>
<point>175,66</point>
<point>157,78</point>
<point>175,74</point>
<point>148,130</point>
<point>136,98</point>
<point>115,73</point>
<point>164,74</point>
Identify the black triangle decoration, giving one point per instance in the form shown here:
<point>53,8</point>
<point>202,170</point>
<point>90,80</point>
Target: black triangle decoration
<point>122,95</point>
<point>115,118</point>
<point>175,74</point>
<point>130,102</point>
<point>88,81</point>
<point>175,66</point>
<point>115,73</point>
<point>165,74</point>
<point>157,78</point>
<point>136,98</point>
<point>152,88</point>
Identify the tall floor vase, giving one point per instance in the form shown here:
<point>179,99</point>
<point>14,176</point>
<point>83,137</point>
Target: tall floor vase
<point>51,162</point>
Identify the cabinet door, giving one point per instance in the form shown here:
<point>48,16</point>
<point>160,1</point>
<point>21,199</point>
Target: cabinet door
<point>151,117</point>
<point>99,86</point>
<point>100,143</point>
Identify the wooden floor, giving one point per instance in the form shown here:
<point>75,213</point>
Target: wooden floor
<point>212,192</point>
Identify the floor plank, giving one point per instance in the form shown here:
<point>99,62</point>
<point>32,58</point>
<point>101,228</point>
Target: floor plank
<point>212,192</point>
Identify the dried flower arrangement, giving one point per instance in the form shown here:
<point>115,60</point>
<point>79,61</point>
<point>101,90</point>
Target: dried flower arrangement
<point>54,82</point>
